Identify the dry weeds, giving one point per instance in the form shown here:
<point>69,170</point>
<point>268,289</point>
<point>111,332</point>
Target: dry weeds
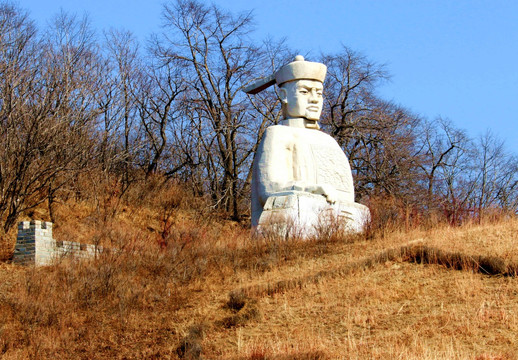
<point>194,288</point>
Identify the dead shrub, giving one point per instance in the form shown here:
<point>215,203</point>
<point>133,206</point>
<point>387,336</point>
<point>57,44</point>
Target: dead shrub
<point>190,347</point>
<point>7,242</point>
<point>329,227</point>
<point>247,313</point>
<point>236,300</point>
<point>92,282</point>
<point>279,227</point>
<point>386,216</point>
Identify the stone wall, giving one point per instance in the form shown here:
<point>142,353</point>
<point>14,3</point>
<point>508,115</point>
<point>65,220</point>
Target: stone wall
<point>35,245</point>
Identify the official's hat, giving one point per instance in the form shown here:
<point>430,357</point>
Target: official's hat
<point>299,69</point>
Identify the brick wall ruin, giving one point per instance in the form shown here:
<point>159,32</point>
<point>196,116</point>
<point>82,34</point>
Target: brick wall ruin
<point>35,245</point>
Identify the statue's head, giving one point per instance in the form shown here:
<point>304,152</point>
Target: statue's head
<point>301,86</point>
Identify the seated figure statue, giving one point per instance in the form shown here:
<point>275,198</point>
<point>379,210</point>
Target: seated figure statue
<point>300,174</point>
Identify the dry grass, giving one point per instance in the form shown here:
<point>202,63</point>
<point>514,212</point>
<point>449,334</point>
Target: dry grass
<point>187,286</point>
<point>391,311</point>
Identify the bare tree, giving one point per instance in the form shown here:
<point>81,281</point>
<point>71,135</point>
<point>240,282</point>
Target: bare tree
<point>497,175</point>
<point>47,110</point>
<point>119,104</point>
<point>18,80</point>
<point>350,82</point>
<point>158,109</point>
<point>378,137</point>
<point>437,140</point>
<point>216,57</point>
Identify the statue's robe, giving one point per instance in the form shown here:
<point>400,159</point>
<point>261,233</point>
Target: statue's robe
<point>301,162</point>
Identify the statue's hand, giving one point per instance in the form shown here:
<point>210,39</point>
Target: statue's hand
<point>325,190</point>
<point>298,186</point>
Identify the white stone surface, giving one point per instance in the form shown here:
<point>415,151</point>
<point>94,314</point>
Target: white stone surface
<point>302,214</point>
<point>301,177</point>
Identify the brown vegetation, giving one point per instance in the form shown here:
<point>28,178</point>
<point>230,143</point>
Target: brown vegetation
<point>202,288</point>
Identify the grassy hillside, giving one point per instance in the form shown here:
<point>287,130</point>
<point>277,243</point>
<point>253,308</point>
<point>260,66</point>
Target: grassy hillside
<point>187,285</point>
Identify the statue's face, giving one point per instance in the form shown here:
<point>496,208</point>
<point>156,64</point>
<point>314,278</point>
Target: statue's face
<point>303,98</point>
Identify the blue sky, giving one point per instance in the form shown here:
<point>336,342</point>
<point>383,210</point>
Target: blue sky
<point>455,59</point>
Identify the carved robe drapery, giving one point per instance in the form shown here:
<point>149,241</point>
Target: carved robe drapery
<point>291,158</point>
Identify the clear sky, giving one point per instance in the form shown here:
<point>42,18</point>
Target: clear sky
<point>451,58</point>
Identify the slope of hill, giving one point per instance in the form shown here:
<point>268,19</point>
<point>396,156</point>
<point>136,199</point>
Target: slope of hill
<point>207,290</point>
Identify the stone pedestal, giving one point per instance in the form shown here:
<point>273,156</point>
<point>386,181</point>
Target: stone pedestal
<point>301,214</point>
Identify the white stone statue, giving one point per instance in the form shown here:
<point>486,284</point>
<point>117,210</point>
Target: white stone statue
<point>301,176</point>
